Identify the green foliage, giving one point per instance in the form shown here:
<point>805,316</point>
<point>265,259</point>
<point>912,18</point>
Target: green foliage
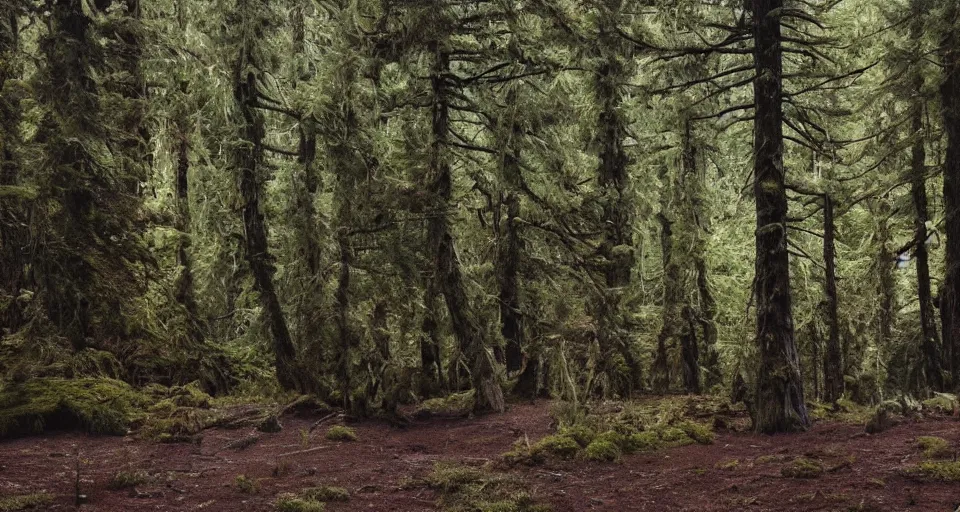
<point>246,484</point>
<point>340,433</point>
<point>457,404</point>
<point>16,503</point>
<point>97,405</point>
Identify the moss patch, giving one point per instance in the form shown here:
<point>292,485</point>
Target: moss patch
<point>802,468</point>
<point>325,493</point>
<point>457,404</point>
<point>934,447</point>
<point>941,470</point>
<point>96,405</point>
<point>246,484</point>
<point>469,489</point>
<point>341,433</point>
<point>603,448</point>
<point>126,479</point>
<point>293,503</point>
<point>941,403</point>
<point>25,502</point>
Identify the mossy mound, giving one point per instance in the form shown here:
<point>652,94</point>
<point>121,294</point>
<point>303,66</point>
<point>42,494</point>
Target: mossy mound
<point>326,493</point>
<point>802,468</point>
<point>341,433</point>
<point>35,501</point>
<point>293,503</point>
<point>604,448</point>
<point>941,403</point>
<point>470,489</point>
<point>95,405</point>
<point>457,404</point>
<point>934,447</point>
<point>178,414</point>
<point>948,471</point>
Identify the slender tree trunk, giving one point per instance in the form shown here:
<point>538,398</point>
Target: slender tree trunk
<point>950,99</point>
<point>832,363</point>
<point>466,328</point>
<point>14,238</point>
<point>666,340</point>
<point>918,190</point>
<point>779,404</point>
<point>184,286</point>
<point>248,157</point>
<point>345,331</point>
<point>306,157</point>
<point>430,361</point>
<point>511,320</point>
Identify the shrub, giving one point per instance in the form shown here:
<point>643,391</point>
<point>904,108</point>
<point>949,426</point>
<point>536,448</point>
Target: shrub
<point>341,433</point>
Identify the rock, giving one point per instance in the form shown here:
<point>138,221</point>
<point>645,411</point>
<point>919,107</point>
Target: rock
<point>270,425</point>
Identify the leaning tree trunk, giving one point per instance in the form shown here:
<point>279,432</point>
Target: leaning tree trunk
<point>247,159</point>
<point>918,190</point>
<point>466,328</point>
<point>832,361</point>
<point>779,404</point>
<point>950,99</point>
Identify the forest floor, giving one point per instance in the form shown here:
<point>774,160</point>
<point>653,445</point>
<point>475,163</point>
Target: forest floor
<point>382,468</point>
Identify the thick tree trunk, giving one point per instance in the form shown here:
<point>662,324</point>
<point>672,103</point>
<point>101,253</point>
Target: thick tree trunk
<point>832,362</point>
<point>466,328</point>
<point>950,99</point>
<point>667,339</point>
<point>918,190</point>
<point>430,361</point>
<point>779,405</point>
<point>247,160</point>
<point>617,245</point>
<point>347,341</point>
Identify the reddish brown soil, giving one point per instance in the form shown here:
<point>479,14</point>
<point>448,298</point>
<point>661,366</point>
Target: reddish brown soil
<point>866,470</point>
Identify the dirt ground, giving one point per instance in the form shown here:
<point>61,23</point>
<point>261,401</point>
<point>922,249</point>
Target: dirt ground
<point>740,471</point>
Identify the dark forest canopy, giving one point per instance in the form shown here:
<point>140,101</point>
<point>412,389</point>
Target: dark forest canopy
<point>381,201</point>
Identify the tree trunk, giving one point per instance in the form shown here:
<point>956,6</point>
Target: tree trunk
<point>617,245</point>
<point>779,405</point>
<point>466,328</point>
<point>184,286</point>
<point>344,329</point>
<point>918,190</point>
<point>511,320</point>
<point>248,157</point>
<point>950,99</point>
<point>832,362</point>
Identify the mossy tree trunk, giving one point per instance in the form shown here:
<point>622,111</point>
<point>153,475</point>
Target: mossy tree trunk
<point>950,100</point>
<point>779,405</point>
<point>832,362</point>
<point>247,162</point>
<point>466,328</point>
<point>616,247</point>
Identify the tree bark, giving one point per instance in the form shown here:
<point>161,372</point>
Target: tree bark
<point>247,159</point>
<point>511,320</point>
<point>950,99</point>
<point>779,405</point>
<point>466,328</point>
<point>918,190</point>
<point>617,245</point>
<point>832,362</point>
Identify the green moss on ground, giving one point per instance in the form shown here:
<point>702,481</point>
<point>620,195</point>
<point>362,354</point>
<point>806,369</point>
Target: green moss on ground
<point>802,467</point>
<point>941,403</point>
<point>341,433</point>
<point>457,404</point>
<point>934,447</point>
<point>948,471</point>
<point>96,405</point>
<point>325,493</point>
<point>34,501</point>
<point>562,446</point>
<point>126,479</point>
<point>604,449</point>
<point>469,489</point>
<point>246,484</point>
<point>293,503</point>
